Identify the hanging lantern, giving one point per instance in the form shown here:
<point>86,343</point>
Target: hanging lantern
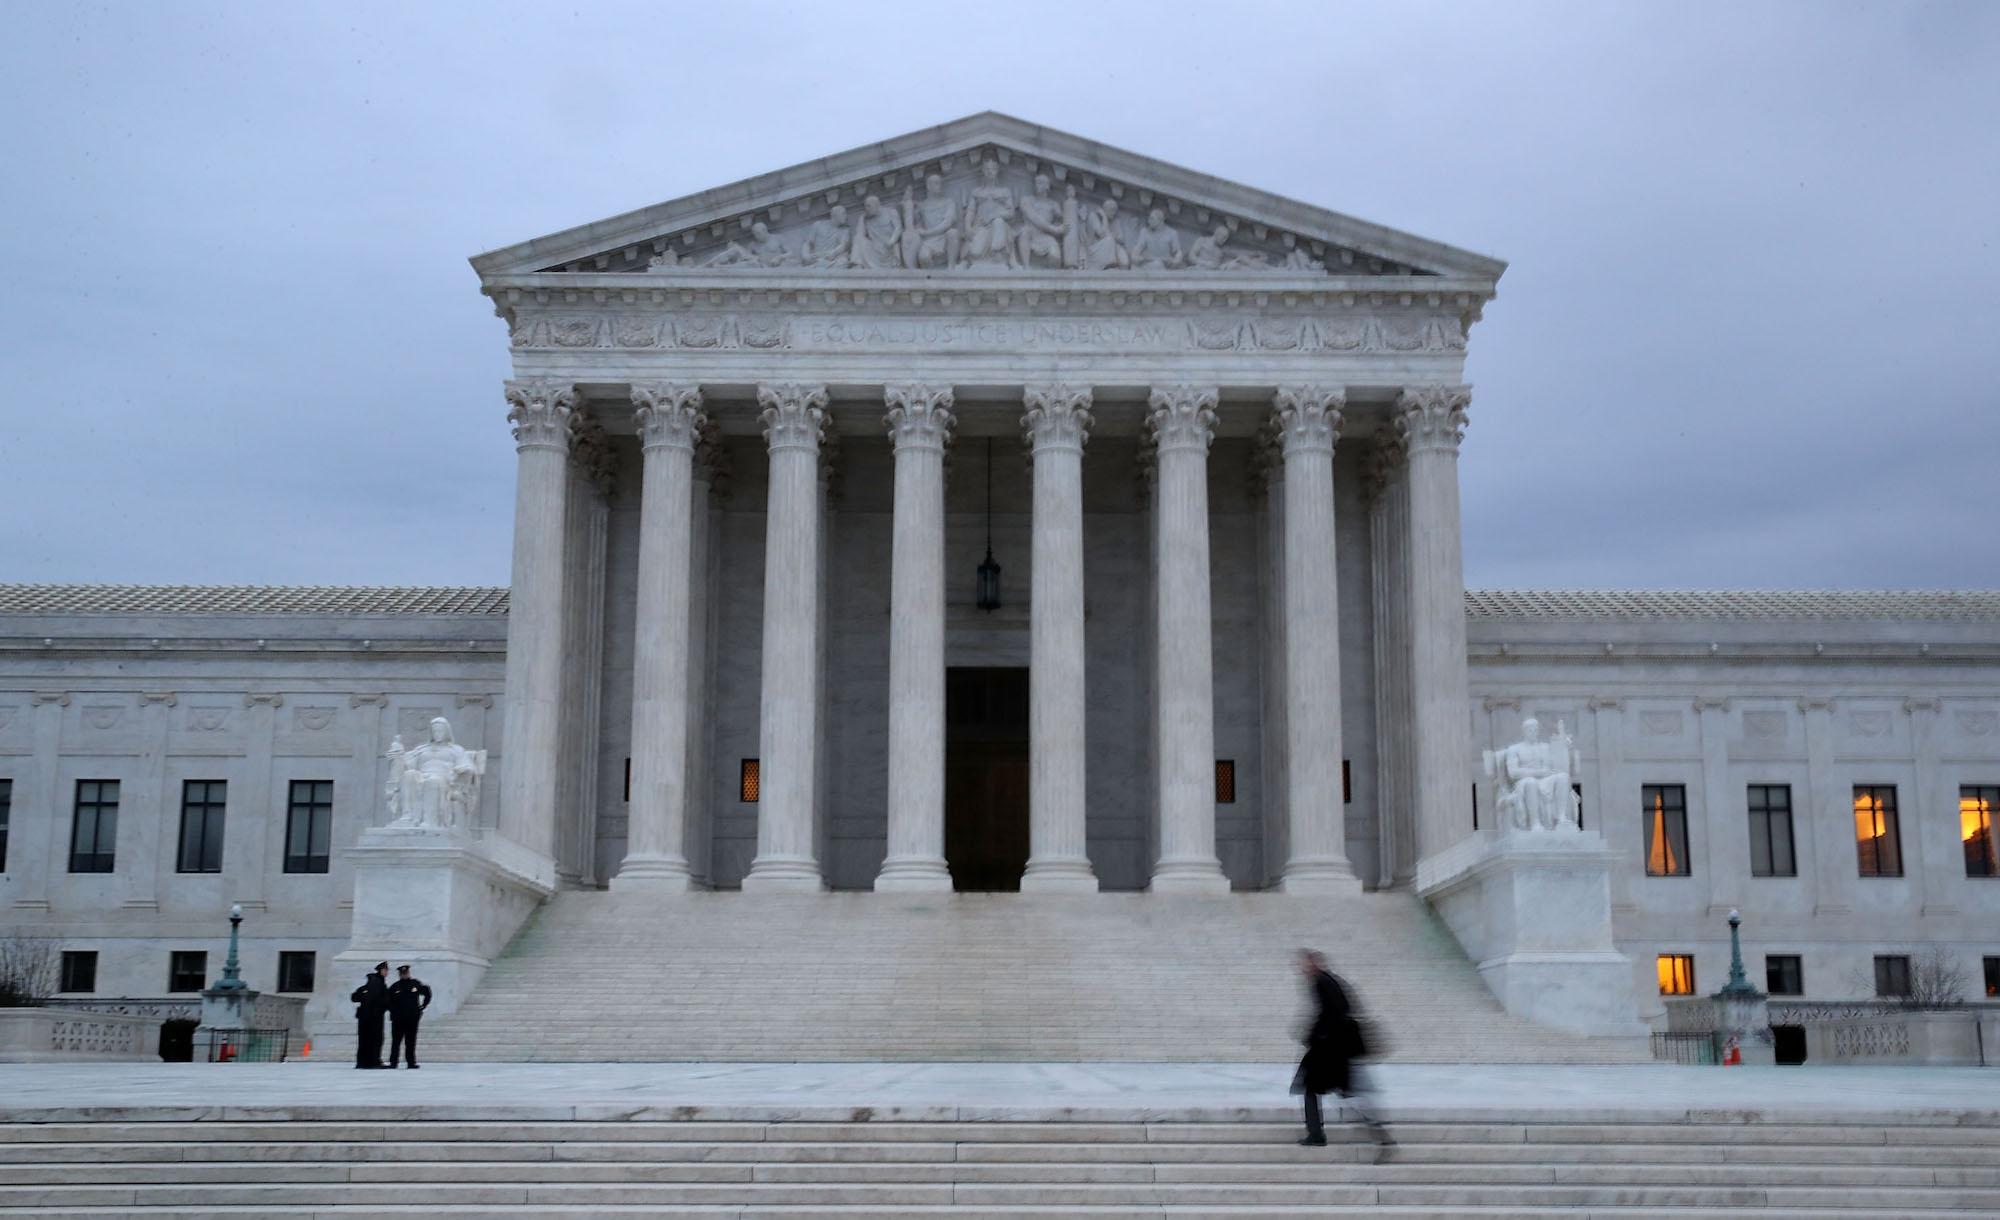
<point>987,589</point>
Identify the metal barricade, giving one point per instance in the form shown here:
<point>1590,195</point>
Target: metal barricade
<point>1689,1050</point>
<point>249,1045</point>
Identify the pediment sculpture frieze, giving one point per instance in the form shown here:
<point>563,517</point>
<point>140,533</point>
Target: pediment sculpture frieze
<point>989,211</point>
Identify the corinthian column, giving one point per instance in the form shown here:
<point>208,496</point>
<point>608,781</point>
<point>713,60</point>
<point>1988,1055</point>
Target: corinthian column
<point>1432,422</point>
<point>788,723</point>
<point>1183,422</point>
<point>1057,422</point>
<point>540,413</point>
<point>1308,423</point>
<point>668,418</point>
<point>919,422</point>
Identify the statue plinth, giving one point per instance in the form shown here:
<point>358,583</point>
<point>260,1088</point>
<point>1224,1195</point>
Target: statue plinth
<point>1533,910</point>
<point>446,901</point>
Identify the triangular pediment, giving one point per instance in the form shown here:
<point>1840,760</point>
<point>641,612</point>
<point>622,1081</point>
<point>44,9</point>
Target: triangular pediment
<point>987,194</point>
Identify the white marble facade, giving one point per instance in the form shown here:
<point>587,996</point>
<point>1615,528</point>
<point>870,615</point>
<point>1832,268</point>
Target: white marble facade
<point>753,429</point>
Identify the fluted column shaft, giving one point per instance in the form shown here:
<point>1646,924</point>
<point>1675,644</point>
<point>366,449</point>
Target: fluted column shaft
<point>1432,422</point>
<point>1057,423</point>
<point>919,421</point>
<point>1308,419</point>
<point>668,418</point>
<point>788,718</point>
<point>540,413</point>
<point>1387,493</point>
<point>1183,423</point>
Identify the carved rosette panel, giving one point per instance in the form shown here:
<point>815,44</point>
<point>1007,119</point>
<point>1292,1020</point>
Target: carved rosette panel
<point>1308,417</point>
<point>668,414</point>
<point>1433,416</point>
<point>919,416</point>
<point>794,414</point>
<point>540,412</point>
<point>1057,416</point>
<point>1182,417</point>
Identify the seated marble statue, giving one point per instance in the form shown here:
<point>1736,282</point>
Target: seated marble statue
<point>1534,775</point>
<point>434,786</point>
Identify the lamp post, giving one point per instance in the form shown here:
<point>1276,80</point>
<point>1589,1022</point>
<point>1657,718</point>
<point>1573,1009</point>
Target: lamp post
<point>232,974</point>
<point>1742,1015</point>
<point>1738,985</point>
<point>987,590</point>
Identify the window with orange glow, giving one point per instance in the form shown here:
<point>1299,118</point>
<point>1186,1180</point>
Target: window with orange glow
<point>1676,973</point>
<point>1665,807</point>
<point>1878,840</point>
<point>747,782</point>
<point>1975,826</point>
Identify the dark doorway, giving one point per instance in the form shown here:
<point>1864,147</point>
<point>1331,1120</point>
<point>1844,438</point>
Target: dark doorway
<point>1789,1043</point>
<point>986,777</point>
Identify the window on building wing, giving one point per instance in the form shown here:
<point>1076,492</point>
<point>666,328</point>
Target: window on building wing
<point>1976,803</point>
<point>1783,974</point>
<point>1665,810</point>
<point>1878,841</point>
<point>1676,973</point>
<point>1892,976</point>
<point>1771,831</point>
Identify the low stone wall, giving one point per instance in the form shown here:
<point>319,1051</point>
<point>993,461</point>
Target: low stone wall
<point>1932,1039</point>
<point>44,1035</point>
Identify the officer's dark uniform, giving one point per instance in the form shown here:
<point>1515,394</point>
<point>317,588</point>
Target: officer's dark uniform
<point>408,997</point>
<point>371,1000</point>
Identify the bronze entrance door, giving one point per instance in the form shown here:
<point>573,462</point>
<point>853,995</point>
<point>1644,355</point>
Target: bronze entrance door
<point>986,777</point>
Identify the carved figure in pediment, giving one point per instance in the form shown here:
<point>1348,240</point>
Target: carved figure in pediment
<point>766,249</point>
<point>1102,248</point>
<point>989,231</point>
<point>1207,253</point>
<point>1046,227</point>
<point>1299,260</point>
<point>666,260</point>
<point>930,228</point>
<point>829,242</point>
<point>1157,247</point>
<point>878,239</point>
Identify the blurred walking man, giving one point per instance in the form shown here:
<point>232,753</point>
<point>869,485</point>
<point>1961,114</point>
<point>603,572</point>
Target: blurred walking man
<point>1333,1042</point>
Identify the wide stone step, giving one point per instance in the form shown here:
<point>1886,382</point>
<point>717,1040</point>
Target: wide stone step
<point>606,977</point>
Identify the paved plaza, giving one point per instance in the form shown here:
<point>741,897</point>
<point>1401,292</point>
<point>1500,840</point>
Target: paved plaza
<point>976,1091</point>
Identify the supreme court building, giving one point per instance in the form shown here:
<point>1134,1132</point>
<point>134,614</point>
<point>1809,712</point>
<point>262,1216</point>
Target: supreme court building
<point>988,509</point>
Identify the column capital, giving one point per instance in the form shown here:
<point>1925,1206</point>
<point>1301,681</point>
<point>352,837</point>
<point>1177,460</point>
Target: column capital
<point>1308,417</point>
<point>1057,416</point>
<point>539,409</point>
<point>1432,416</point>
<point>794,414</point>
<point>1182,416</point>
<point>919,416</point>
<point>590,454</point>
<point>668,414</point>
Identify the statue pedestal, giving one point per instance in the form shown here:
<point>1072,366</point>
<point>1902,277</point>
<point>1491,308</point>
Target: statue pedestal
<point>1745,1021</point>
<point>446,902</point>
<point>1533,909</point>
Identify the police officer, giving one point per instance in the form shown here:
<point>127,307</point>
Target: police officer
<point>408,997</point>
<point>371,1000</point>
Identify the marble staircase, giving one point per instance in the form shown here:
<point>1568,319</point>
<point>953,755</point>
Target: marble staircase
<point>352,1161</point>
<point>598,977</point>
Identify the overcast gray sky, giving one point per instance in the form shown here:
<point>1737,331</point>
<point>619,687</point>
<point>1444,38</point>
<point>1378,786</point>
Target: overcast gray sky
<point>1748,337</point>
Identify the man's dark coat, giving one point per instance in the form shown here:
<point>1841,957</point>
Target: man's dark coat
<point>371,1000</point>
<point>1332,1042</point>
<point>407,1000</point>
